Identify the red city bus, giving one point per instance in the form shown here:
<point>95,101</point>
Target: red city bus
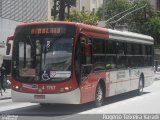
<point>74,63</point>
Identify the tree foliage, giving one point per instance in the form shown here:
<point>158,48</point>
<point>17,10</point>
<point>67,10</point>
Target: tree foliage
<point>152,27</point>
<point>59,8</point>
<point>139,18</point>
<point>83,17</point>
<point>113,7</point>
<point>145,21</point>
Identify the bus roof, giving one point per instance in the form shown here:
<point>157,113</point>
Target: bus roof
<point>47,22</point>
<point>113,34</point>
<point>130,36</point>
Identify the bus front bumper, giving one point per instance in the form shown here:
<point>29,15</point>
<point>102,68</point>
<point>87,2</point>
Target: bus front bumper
<point>72,97</point>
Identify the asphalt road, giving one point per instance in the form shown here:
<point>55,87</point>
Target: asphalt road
<point>130,103</point>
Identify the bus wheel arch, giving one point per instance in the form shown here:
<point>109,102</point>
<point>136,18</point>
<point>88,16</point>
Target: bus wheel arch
<point>100,93</point>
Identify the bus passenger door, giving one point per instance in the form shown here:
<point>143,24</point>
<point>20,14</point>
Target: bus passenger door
<point>86,76</point>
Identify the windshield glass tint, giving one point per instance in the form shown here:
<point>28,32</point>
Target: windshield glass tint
<point>57,54</point>
<point>42,58</point>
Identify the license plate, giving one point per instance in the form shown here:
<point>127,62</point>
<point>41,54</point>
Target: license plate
<point>39,96</point>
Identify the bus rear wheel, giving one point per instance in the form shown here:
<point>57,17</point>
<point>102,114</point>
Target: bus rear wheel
<point>99,96</point>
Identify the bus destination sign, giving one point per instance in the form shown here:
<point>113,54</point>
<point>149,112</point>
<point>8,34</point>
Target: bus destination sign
<point>38,31</point>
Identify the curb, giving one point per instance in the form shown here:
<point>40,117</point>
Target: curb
<point>5,95</point>
<point>5,98</point>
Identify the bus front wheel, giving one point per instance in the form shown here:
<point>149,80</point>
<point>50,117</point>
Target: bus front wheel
<point>99,98</point>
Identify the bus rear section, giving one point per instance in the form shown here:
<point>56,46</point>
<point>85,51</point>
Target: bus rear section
<point>42,64</point>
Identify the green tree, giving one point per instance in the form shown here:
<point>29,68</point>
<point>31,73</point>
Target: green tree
<point>139,18</point>
<point>152,27</point>
<point>144,21</point>
<point>59,8</point>
<point>113,7</point>
<point>83,17</point>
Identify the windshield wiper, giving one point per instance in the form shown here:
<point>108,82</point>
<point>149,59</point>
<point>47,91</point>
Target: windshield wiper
<point>30,41</point>
<point>46,47</point>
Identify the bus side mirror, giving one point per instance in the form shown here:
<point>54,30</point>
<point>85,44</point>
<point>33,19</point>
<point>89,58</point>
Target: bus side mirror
<point>8,49</point>
<point>8,44</point>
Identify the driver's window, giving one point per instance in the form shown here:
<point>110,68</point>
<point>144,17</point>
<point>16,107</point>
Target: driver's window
<point>38,47</point>
<point>25,54</point>
<point>83,58</point>
<point>86,65</point>
<point>85,50</point>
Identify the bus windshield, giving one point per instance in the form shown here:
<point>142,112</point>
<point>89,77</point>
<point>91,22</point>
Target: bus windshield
<point>42,58</point>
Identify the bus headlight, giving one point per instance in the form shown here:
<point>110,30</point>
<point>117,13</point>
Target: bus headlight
<point>17,87</point>
<point>66,88</point>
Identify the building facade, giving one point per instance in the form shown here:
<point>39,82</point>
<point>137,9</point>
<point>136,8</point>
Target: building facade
<point>88,5</point>
<point>155,4</point>
<point>14,12</point>
<point>24,10</point>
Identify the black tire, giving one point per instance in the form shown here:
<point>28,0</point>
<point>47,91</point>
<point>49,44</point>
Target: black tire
<point>99,96</point>
<point>140,86</point>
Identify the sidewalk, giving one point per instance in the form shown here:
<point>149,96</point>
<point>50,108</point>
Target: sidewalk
<point>157,75</point>
<point>6,94</point>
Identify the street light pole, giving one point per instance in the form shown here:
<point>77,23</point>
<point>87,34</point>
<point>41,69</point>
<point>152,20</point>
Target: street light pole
<point>62,10</point>
<point>49,9</point>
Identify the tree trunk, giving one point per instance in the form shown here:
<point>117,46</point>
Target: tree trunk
<point>62,10</point>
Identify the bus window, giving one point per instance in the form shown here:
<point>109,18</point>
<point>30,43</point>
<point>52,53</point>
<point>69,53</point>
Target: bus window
<point>120,48</point>
<point>98,52</point>
<point>86,50</point>
<point>110,62</point>
<point>110,47</point>
<point>121,62</point>
<point>85,56</point>
<point>129,49</point>
<point>98,46</point>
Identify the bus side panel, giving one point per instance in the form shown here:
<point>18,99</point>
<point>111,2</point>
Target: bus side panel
<point>88,87</point>
<point>113,79</point>
<point>134,77</point>
<point>148,76</point>
<point>119,82</point>
<point>123,81</point>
